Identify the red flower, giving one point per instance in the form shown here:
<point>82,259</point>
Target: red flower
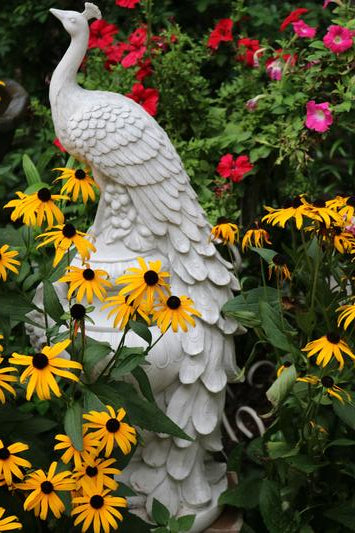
<point>136,47</point>
<point>274,66</point>
<point>114,54</point>
<point>248,47</point>
<point>59,145</point>
<point>101,34</point>
<point>147,98</point>
<point>294,16</point>
<point>145,69</point>
<point>234,169</point>
<point>127,3</point>
<point>222,32</point>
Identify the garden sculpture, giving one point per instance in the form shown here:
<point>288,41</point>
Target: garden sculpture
<point>149,209</point>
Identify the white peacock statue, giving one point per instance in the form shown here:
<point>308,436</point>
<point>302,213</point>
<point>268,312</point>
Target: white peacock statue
<point>148,208</point>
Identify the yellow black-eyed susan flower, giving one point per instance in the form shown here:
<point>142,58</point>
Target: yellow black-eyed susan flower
<point>125,310</point>
<point>225,231</point>
<point>87,282</point>
<point>89,451</point>
<point>327,347</point>
<point>255,237</point>
<point>77,182</point>
<point>9,522</point>
<point>44,489</point>
<point>99,471</point>
<point>328,383</point>
<point>6,379</point>
<point>109,429</point>
<point>279,265</point>
<point>63,237</point>
<point>343,241</point>
<point>338,202</point>
<point>175,311</point>
<point>99,508</point>
<point>348,209</point>
<point>321,212</point>
<point>145,282</point>
<point>1,346</point>
<point>37,208</point>
<point>347,315</point>
<point>42,367</point>
<point>10,462</point>
<point>7,261</point>
<point>293,209</point>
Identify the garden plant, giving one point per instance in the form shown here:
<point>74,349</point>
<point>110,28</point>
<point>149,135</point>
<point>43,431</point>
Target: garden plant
<point>258,99</point>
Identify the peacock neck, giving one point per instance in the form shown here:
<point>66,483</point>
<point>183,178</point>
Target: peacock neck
<point>64,76</point>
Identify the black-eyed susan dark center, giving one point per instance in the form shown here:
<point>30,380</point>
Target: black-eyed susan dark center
<point>47,487</point>
<point>319,203</point>
<point>69,231</point>
<point>77,311</point>
<point>333,337</point>
<point>4,454</point>
<point>337,230</point>
<point>279,260</point>
<point>351,201</point>
<point>151,278</point>
<point>44,195</point>
<point>88,274</point>
<point>223,220</point>
<point>112,425</point>
<point>173,302</point>
<point>287,364</point>
<point>97,501</point>
<point>40,361</point>
<point>91,471</point>
<point>292,202</point>
<point>327,382</point>
<point>80,174</point>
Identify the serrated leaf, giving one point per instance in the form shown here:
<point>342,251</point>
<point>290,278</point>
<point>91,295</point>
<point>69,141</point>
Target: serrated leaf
<point>160,513</point>
<point>73,425</point>
<point>30,170</point>
<point>282,385</point>
<point>141,330</point>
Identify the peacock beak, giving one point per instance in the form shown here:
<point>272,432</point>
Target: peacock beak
<point>58,13</point>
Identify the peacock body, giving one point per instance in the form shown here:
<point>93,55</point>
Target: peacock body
<point>148,208</point>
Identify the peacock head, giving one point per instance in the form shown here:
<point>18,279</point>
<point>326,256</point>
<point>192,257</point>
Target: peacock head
<point>75,23</point>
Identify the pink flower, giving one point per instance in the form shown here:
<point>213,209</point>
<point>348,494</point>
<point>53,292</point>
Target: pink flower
<point>147,98</point>
<point>222,32</point>
<point>101,34</point>
<point>127,3</point>
<point>303,30</point>
<point>59,145</point>
<point>251,104</point>
<point>234,169</point>
<point>275,65</point>
<point>319,116</point>
<point>136,47</point>
<point>338,39</point>
<point>327,2</point>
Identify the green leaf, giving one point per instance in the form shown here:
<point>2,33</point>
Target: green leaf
<point>160,513</point>
<point>273,328</point>
<point>235,458</point>
<point>186,522</point>
<point>340,442</point>
<point>250,300</point>
<point>30,170</point>
<point>142,413</point>
<point>280,449</point>
<point>94,352</point>
<point>141,330</point>
<point>304,463</point>
<point>15,305</point>
<point>346,411</point>
<point>51,302</point>
<point>265,253</point>
<point>245,495</point>
<point>342,514</point>
<point>282,386</point>
<point>127,362</point>
<point>92,402</point>
<point>73,425</point>
<point>35,187</point>
<point>274,518</point>
<point>143,381</point>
